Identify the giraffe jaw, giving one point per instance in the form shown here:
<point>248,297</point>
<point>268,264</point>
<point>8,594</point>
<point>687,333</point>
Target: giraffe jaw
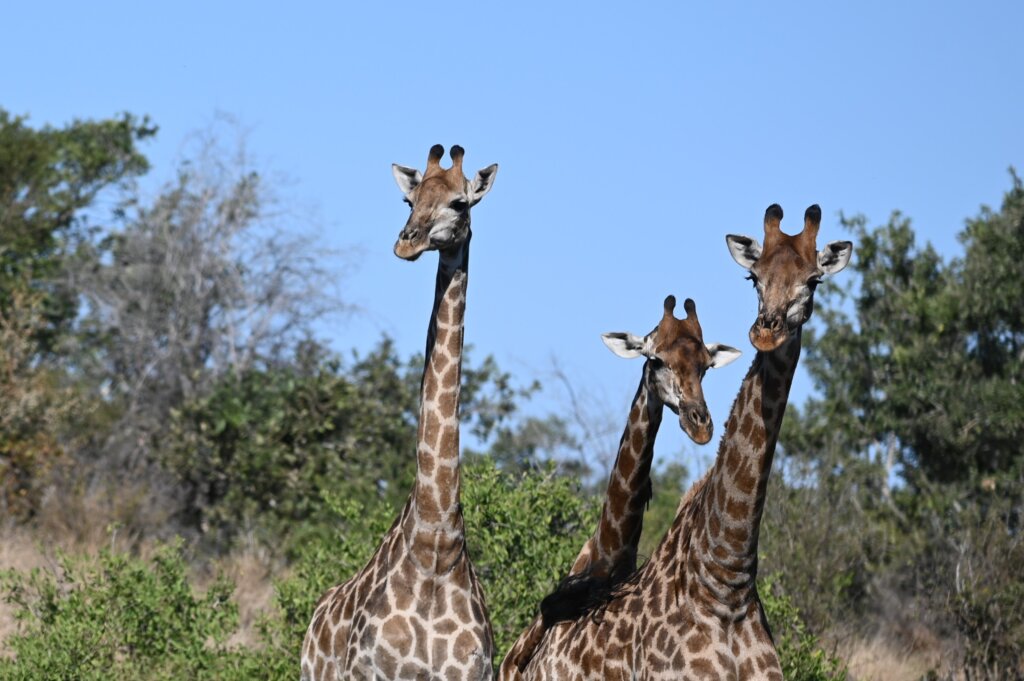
<point>700,435</point>
<point>700,431</point>
<point>407,250</point>
<point>766,342</point>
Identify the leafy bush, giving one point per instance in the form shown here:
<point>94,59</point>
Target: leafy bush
<point>800,651</point>
<point>524,532</point>
<point>979,565</point>
<point>261,446</point>
<point>125,618</point>
<point>117,618</point>
<point>257,450</point>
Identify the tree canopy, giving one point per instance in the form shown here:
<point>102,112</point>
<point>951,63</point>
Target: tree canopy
<point>918,360</point>
<point>48,178</point>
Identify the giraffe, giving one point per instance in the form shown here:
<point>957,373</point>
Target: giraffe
<point>677,360</point>
<point>416,610</point>
<point>692,611</point>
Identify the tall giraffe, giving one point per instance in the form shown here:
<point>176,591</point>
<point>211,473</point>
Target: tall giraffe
<point>677,360</point>
<point>416,610</point>
<point>692,611</point>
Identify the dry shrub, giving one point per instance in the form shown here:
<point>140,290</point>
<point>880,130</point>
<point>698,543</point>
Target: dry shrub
<point>880,658</point>
<point>252,571</point>
<point>126,513</point>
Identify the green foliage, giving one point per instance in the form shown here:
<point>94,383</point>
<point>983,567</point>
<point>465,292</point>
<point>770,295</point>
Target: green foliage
<point>37,405</point>
<point>827,537</point>
<point>48,176</point>
<point>256,451</point>
<point>800,652</point>
<point>124,618</point>
<point>967,557</point>
<point>993,628</point>
<point>919,360</point>
<point>262,445</point>
<point>117,618</point>
<point>524,530</point>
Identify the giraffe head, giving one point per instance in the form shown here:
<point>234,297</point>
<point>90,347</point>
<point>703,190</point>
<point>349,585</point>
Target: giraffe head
<point>439,201</point>
<point>677,360</point>
<point>785,273</point>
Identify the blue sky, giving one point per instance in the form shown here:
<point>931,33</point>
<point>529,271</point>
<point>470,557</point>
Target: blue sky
<point>631,139</point>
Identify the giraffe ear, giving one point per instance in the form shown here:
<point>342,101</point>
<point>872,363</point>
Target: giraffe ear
<point>744,250</point>
<point>407,178</point>
<point>625,345</point>
<point>835,256</point>
<point>482,183</point>
<point>722,355</point>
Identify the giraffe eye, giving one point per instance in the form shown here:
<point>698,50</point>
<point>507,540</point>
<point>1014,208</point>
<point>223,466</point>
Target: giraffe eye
<point>752,277</point>
<point>813,282</point>
<point>459,205</point>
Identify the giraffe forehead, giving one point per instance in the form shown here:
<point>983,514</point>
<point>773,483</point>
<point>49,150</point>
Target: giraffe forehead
<point>783,267</point>
<point>680,336</point>
<point>783,250</point>
<point>444,182</point>
<point>685,353</point>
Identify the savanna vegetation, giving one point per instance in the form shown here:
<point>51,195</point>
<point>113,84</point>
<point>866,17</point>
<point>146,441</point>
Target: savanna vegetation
<point>185,465</point>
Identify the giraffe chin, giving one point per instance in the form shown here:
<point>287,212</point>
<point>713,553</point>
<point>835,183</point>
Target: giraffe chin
<point>766,341</point>
<point>407,250</point>
<point>701,436</point>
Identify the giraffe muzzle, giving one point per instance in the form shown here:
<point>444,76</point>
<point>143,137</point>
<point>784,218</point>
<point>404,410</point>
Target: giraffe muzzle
<point>696,422</point>
<point>768,333</point>
<point>408,247</point>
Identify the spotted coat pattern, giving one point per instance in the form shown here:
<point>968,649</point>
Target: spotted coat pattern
<point>610,554</point>
<point>692,611</point>
<point>416,610</point>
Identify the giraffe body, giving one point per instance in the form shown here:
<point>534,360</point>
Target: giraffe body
<point>396,620</point>
<point>692,611</point>
<point>677,361</point>
<point>416,610</point>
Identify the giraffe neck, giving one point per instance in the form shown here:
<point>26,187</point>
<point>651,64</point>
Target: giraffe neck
<point>437,516</point>
<point>611,552</point>
<point>727,507</point>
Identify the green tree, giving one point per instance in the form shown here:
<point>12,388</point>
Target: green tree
<point>49,177</point>
<point>918,361</point>
<point>898,493</point>
<point>260,448</point>
<point>35,408</point>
